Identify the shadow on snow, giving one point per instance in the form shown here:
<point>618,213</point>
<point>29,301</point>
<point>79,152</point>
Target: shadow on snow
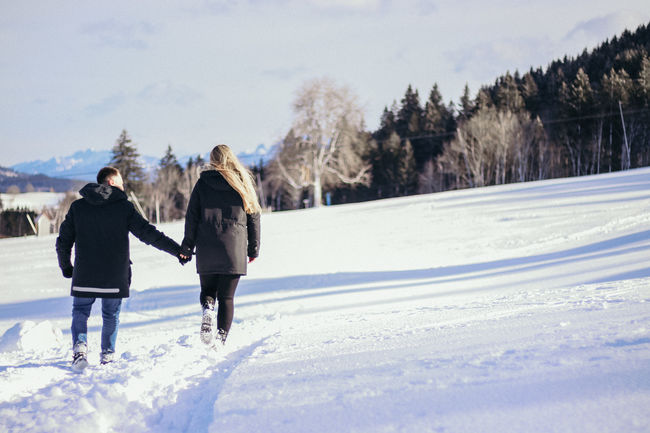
<point>182,296</point>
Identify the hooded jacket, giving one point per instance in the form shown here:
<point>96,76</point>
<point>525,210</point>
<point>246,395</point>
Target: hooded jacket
<point>98,226</point>
<point>218,226</point>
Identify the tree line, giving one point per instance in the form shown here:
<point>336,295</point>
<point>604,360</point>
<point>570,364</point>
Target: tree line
<point>584,115</point>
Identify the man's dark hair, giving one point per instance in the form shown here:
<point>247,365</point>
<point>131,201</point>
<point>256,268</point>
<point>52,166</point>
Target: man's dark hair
<point>106,173</point>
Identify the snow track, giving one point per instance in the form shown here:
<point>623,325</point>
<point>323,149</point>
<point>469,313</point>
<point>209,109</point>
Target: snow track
<point>168,387</point>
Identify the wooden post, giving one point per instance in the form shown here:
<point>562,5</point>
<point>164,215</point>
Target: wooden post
<point>137,205</point>
<point>31,223</point>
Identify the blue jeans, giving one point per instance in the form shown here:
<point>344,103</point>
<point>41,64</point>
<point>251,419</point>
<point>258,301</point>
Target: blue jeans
<point>110,315</point>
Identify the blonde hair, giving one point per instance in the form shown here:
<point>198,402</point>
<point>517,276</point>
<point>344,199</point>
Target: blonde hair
<point>239,177</point>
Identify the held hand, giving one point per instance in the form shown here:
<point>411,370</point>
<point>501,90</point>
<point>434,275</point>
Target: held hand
<point>251,259</point>
<point>182,258</point>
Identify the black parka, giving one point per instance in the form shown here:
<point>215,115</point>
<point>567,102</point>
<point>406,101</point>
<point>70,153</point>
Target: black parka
<point>218,226</point>
<point>98,225</point>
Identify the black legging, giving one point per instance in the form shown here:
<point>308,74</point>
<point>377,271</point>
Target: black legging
<point>222,288</point>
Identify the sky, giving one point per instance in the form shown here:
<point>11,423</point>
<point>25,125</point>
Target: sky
<point>195,73</point>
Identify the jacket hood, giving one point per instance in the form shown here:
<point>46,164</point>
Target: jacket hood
<point>215,180</point>
<point>97,194</point>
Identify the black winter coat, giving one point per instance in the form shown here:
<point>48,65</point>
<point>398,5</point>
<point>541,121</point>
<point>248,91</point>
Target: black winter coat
<point>98,225</point>
<point>216,223</point>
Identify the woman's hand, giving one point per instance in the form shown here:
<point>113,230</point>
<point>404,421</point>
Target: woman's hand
<point>251,259</point>
<point>182,258</point>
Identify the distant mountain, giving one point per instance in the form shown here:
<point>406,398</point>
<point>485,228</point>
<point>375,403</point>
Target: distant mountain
<point>36,182</point>
<point>261,153</point>
<point>85,164</point>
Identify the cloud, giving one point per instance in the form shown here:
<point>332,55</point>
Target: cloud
<point>118,34</point>
<point>105,106</point>
<point>588,34</point>
<point>484,62</point>
<point>166,93</point>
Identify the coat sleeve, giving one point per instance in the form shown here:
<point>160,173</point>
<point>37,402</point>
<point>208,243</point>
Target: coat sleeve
<point>65,240</point>
<point>253,226</point>
<point>192,218</point>
<point>148,234</point>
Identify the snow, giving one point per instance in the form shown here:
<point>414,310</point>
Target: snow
<point>523,307</point>
<point>31,337</point>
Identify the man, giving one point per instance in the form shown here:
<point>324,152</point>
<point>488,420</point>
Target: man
<point>98,225</point>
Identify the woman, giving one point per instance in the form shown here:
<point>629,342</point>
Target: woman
<point>223,223</point>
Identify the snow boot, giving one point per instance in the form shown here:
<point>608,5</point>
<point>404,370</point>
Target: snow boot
<point>206,322</point>
<point>79,357</point>
<point>105,357</point>
<point>221,336</point>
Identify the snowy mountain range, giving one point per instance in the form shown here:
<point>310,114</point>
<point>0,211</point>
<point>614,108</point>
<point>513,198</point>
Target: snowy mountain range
<point>84,164</point>
<point>35,182</point>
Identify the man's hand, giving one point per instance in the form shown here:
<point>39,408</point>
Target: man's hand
<point>251,259</point>
<point>67,271</point>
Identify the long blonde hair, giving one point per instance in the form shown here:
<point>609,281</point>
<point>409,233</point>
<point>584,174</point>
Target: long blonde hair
<point>239,177</point>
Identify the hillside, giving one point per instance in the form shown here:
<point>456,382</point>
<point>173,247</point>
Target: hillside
<point>521,307</point>
<point>39,182</point>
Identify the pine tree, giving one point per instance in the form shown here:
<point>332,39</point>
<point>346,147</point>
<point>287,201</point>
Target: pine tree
<point>508,96</point>
<point>438,122</point>
<point>530,93</point>
<point>466,105</point>
<point>409,116</point>
<point>580,105</point>
<point>407,175</point>
<point>643,83</point>
<point>409,122</point>
<point>386,125</point>
<point>126,160</point>
<point>169,161</point>
<point>483,99</point>
<point>581,94</point>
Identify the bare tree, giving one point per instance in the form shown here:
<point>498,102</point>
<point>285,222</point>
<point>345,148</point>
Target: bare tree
<point>168,195</point>
<point>496,147</point>
<point>61,209</point>
<point>13,189</point>
<point>323,146</point>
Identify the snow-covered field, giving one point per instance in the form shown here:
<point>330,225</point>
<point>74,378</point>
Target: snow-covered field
<point>519,308</point>
<point>35,201</point>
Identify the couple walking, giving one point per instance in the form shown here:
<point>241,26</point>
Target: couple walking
<point>222,222</point>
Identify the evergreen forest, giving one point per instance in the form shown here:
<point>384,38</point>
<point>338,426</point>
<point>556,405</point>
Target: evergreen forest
<point>579,115</point>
